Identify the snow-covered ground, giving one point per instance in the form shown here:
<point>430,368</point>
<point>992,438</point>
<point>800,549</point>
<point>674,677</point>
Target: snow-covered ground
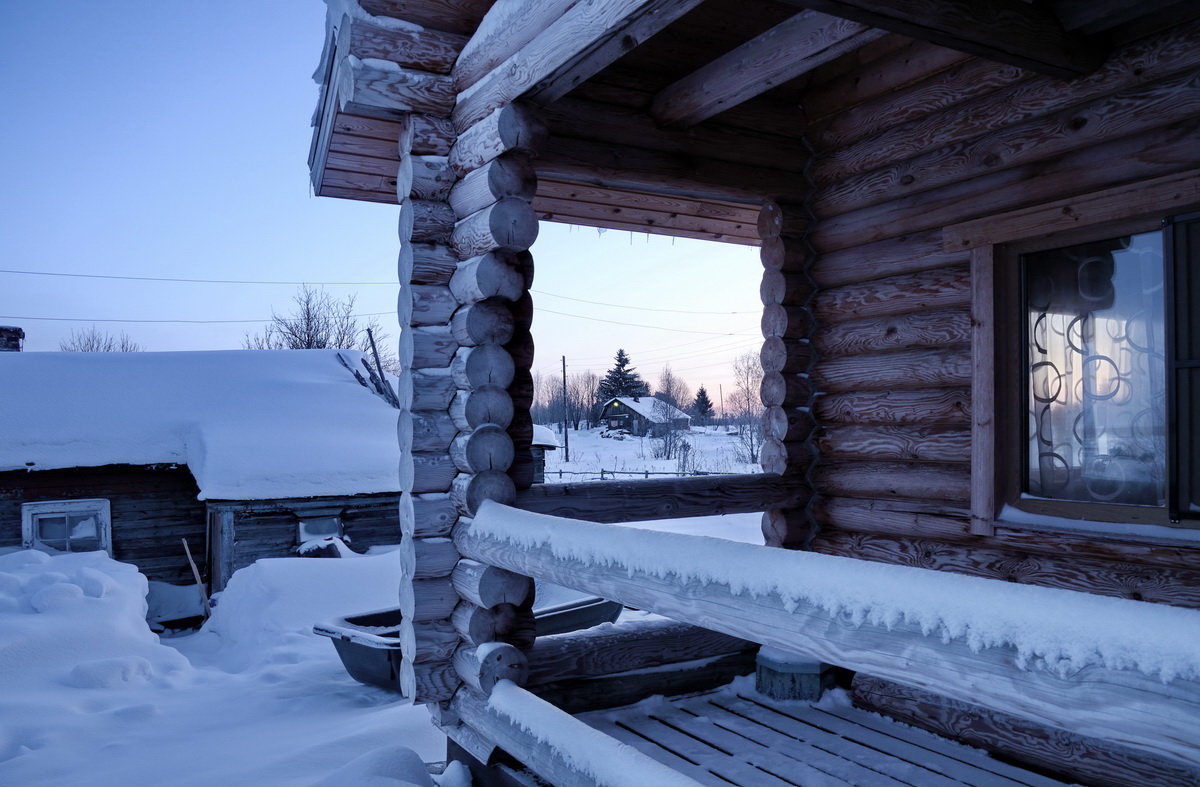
<point>711,450</point>
<point>89,696</point>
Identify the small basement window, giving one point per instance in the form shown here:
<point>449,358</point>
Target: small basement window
<point>67,525</point>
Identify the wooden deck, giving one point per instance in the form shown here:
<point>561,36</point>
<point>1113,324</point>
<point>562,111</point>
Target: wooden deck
<point>737,737</point>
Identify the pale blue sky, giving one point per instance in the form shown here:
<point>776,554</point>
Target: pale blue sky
<point>171,139</point>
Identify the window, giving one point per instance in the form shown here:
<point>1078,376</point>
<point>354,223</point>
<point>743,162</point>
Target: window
<point>1096,361</point>
<point>67,525</point>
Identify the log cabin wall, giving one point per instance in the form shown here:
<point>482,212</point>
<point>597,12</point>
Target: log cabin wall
<point>917,140</point>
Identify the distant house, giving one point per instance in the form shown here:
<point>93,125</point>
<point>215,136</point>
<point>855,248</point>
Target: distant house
<point>544,440</point>
<point>246,454</point>
<point>643,415</point>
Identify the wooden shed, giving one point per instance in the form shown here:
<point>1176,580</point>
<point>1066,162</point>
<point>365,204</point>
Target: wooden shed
<point>132,453</point>
<point>979,239</point>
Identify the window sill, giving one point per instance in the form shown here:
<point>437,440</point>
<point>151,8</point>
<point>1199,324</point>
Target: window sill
<point>1163,535</point>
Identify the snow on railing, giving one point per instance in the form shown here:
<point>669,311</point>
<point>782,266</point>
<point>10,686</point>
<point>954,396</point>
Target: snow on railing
<point>1119,669</point>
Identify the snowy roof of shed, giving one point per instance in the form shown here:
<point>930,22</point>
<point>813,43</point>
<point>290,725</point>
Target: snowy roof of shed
<point>654,410</point>
<point>249,424</point>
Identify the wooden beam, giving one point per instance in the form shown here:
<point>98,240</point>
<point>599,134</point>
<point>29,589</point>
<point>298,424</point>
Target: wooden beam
<point>554,744</point>
<point>1009,31</point>
<point>426,50</point>
<point>504,30</point>
<point>1120,705</point>
<point>575,46</point>
<point>632,501</point>
<point>452,16</point>
<point>779,55</point>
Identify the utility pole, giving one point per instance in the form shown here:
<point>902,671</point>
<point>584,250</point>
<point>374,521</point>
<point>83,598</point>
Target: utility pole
<point>721,391</point>
<point>566,437</point>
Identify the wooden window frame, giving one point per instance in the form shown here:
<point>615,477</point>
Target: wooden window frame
<point>993,243</point>
<point>30,512</point>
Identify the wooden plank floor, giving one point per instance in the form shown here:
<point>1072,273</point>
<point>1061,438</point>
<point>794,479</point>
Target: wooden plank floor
<point>734,736</point>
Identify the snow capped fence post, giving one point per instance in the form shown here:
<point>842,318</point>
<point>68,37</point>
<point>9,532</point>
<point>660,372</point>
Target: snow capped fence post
<point>789,428</point>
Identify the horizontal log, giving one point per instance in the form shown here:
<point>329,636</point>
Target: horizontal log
<point>436,641</point>
<point>1028,37</point>
<point>1137,109</point>
<point>435,557</point>
<point>432,432</point>
<point>430,599</point>
<point>484,666</point>
<point>487,364</point>
<point>920,251</point>
<point>792,390</point>
<point>432,178</point>
<point>778,287</point>
<point>364,88</point>
<point>1024,100</point>
<point>785,457</point>
<point>631,501</point>
<point>575,46</point>
<point>788,322</point>
<point>940,406</point>
<point>425,221</point>
<point>500,623</point>
<point>1178,587</point>
<point>895,332</point>
<point>788,424</point>
<point>487,586</point>
<point>895,479</point>
<point>788,528</point>
<point>436,681</point>
<point>431,135</point>
<point>431,263</point>
<point>910,292</point>
<point>341,183</point>
<point>782,53</point>
<point>902,369</point>
<point>908,443</point>
<point>453,16</point>
<point>482,322</point>
<point>433,304</point>
<point>642,221</point>
<point>423,49</point>
<point>511,128</point>
<point>510,175</point>
<point>560,749</point>
<point>491,275</point>
<point>502,32</point>
<point>786,355</point>
<point>434,515</point>
<point>487,448</point>
<point>1123,705</point>
<point>909,518</point>
<point>1144,156</point>
<point>470,490</point>
<point>432,390</point>
<point>624,647</point>
<point>1066,754</point>
<point>433,348</point>
<point>432,472</point>
<point>487,404</point>
<point>508,225</point>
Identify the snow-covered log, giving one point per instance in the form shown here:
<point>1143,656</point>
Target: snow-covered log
<point>1112,669</point>
<point>513,127</point>
<point>484,666</point>
<point>509,224</point>
<point>487,586</point>
<point>510,175</point>
<point>557,746</point>
<point>500,623</point>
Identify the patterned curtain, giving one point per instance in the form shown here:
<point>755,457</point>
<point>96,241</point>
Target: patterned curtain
<point>1096,372</point>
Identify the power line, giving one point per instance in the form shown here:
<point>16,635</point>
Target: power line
<point>186,281</point>
<point>638,308</point>
<point>159,322</point>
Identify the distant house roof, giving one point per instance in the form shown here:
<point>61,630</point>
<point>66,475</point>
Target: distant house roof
<point>544,436</point>
<point>656,411</point>
<point>249,424</point>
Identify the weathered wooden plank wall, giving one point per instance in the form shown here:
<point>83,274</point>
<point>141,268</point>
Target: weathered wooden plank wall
<point>151,510</point>
<point>918,139</point>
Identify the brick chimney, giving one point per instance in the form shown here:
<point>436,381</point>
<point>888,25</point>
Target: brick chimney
<point>11,338</point>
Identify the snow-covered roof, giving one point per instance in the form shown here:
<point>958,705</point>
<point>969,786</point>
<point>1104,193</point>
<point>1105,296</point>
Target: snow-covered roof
<point>545,437</point>
<point>249,424</point>
<point>656,411</point>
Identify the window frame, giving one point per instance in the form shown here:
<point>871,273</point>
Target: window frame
<point>1099,214</point>
<point>30,512</point>
<point>1012,344</point>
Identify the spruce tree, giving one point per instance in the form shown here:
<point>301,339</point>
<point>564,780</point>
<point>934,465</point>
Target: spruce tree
<point>702,407</point>
<point>621,380</point>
